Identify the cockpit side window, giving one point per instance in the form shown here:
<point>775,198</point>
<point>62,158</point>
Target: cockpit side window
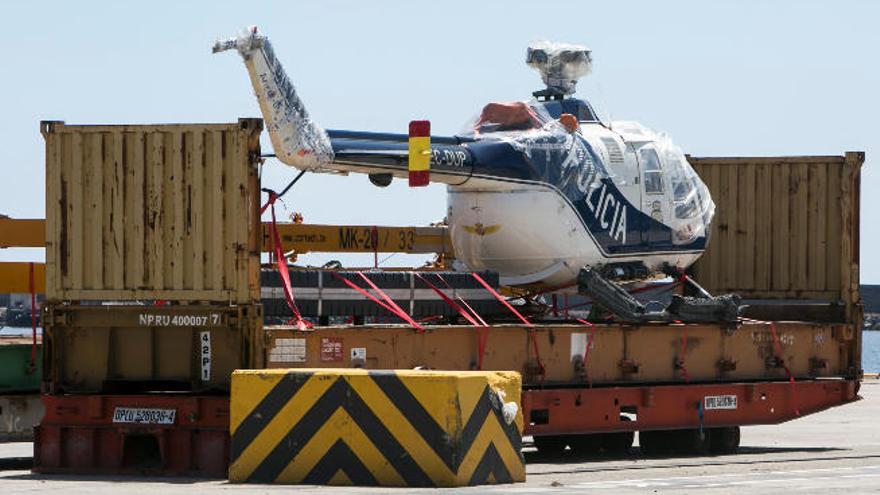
<point>652,172</point>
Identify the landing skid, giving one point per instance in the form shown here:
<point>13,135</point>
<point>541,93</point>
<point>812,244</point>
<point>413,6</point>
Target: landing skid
<point>609,295</point>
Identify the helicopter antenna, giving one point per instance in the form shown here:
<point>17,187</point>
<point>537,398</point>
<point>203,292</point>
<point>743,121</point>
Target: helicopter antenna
<point>560,66</point>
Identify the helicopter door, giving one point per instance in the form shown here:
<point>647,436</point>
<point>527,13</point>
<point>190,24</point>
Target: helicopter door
<point>654,202</point>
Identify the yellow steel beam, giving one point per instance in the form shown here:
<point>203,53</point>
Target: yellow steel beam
<point>15,277</point>
<point>299,237</point>
<point>29,232</point>
<point>305,238</point>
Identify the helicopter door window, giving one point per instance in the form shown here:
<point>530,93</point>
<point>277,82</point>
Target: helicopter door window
<point>652,174</point>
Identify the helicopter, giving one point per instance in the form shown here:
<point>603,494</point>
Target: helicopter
<point>537,189</point>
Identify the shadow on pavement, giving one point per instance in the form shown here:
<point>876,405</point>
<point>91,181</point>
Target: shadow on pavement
<point>635,453</point>
<point>600,463</point>
<point>16,463</point>
<point>142,478</point>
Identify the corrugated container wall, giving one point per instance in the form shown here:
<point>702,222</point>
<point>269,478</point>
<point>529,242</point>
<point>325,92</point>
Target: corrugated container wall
<point>785,228</point>
<point>135,349</point>
<point>153,212</point>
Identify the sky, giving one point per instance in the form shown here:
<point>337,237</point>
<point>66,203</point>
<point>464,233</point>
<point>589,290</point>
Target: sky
<point>723,78</point>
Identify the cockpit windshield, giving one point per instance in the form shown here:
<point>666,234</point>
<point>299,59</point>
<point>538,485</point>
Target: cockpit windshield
<point>692,204</point>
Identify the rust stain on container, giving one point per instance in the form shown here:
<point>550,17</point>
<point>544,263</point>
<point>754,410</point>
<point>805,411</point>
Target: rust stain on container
<point>152,211</point>
<point>650,353</point>
<point>137,349</point>
<point>785,228</point>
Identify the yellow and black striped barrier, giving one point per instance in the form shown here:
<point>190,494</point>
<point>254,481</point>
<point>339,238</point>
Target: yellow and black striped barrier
<point>389,428</point>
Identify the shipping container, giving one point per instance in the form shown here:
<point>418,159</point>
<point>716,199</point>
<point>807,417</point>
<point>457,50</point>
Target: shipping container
<point>153,212</point>
<point>19,414</point>
<point>20,364</point>
<point>134,349</point>
<point>786,230</point>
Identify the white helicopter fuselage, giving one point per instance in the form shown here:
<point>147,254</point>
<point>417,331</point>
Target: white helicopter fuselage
<point>532,233</point>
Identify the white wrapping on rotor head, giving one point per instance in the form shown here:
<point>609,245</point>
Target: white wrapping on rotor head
<point>560,64</point>
<point>298,141</point>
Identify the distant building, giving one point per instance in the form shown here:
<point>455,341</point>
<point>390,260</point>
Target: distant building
<point>20,301</point>
<point>871,300</point>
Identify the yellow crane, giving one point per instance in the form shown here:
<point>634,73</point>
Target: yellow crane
<point>298,238</point>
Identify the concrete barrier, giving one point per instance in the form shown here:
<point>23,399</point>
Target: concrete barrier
<point>389,428</point>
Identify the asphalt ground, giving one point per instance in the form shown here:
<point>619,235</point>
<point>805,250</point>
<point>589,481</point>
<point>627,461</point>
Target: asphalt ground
<point>836,450</point>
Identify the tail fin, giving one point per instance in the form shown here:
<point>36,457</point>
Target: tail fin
<point>297,140</point>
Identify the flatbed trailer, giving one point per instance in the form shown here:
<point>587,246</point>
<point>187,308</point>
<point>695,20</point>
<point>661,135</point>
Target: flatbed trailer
<point>680,378</point>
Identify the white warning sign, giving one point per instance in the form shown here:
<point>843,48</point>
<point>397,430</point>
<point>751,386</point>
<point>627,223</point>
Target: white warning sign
<point>205,354</point>
<point>719,402</point>
<point>288,351</point>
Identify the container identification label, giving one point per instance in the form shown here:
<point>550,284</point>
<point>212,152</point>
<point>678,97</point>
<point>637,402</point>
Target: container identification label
<point>205,351</point>
<point>288,351</point>
<point>719,402</point>
<point>331,349</point>
<point>140,415</point>
<point>187,320</point>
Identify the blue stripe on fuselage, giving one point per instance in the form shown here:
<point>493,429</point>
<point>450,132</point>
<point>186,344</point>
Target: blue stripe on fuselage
<point>575,170</point>
<point>566,163</point>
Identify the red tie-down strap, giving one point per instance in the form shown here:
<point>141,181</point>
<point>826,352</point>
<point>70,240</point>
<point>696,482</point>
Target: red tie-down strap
<point>532,336</point>
<point>281,260</point>
<point>463,302</point>
<point>396,309</point>
<point>777,355</point>
<point>777,349</point>
<point>472,317</point>
<point>32,287</point>
<point>388,304</point>
<point>449,301</point>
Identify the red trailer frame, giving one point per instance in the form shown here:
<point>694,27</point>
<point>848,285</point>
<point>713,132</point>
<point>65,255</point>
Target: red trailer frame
<point>598,410</point>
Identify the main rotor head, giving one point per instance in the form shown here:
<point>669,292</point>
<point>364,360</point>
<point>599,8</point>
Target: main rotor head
<point>560,66</point>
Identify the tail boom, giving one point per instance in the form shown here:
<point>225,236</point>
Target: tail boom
<point>298,141</point>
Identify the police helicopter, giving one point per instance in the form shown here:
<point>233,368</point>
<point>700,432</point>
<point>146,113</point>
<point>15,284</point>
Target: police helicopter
<point>537,190</point>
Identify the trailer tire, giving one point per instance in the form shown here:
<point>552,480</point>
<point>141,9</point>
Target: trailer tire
<point>691,441</point>
<point>656,443</point>
<point>586,444</point>
<point>724,440</point>
<point>550,445</point>
<point>618,443</point>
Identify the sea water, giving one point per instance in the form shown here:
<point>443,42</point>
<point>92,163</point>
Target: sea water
<point>871,351</point>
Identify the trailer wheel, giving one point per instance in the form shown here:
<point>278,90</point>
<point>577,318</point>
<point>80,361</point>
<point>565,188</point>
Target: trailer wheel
<point>691,442</point>
<point>724,440</point>
<point>587,444</point>
<point>550,445</point>
<point>618,443</point>
<point>656,442</point>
